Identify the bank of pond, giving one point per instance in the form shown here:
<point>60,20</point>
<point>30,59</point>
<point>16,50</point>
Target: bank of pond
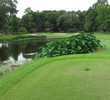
<point>7,38</point>
<point>15,53</point>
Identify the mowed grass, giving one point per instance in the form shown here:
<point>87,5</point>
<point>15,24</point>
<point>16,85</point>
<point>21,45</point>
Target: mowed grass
<point>72,77</point>
<point>103,36</point>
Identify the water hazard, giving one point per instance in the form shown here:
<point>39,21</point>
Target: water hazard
<point>19,50</point>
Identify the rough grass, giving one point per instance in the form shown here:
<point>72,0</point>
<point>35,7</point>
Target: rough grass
<point>72,77</point>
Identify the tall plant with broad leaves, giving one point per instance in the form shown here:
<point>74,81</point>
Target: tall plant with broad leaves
<point>77,44</point>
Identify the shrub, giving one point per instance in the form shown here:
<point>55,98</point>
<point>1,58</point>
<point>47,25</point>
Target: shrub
<point>33,30</point>
<point>22,30</point>
<point>48,29</point>
<point>77,44</point>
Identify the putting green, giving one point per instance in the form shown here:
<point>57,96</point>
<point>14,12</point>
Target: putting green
<point>69,78</point>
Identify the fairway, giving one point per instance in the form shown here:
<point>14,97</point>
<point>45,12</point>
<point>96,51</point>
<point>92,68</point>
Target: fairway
<point>71,77</point>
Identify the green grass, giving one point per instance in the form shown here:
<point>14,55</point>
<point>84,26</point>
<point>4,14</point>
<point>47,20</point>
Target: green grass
<point>56,35</point>
<point>6,37</point>
<point>72,77</point>
<point>103,36</point>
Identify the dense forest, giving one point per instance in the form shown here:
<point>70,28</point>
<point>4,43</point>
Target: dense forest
<point>95,19</point>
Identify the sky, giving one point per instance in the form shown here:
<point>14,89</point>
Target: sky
<point>41,5</point>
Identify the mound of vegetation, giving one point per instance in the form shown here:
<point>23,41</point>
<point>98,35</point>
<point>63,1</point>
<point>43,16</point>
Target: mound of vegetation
<point>77,44</point>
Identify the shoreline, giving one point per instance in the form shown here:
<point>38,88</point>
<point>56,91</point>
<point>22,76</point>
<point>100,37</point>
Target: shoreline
<point>8,66</point>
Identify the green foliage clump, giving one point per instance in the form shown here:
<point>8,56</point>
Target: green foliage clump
<point>77,44</point>
<point>23,30</point>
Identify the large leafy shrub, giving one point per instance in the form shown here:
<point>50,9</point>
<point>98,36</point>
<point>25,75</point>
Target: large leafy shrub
<point>77,44</point>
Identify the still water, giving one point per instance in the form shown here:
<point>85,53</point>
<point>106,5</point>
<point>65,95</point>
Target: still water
<point>19,50</point>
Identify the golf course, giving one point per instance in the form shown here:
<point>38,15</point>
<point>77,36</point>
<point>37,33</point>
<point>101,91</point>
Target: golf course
<point>69,77</point>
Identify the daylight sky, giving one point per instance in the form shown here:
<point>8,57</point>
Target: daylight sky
<point>41,5</point>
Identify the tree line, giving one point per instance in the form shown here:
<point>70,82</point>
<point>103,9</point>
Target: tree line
<point>95,19</point>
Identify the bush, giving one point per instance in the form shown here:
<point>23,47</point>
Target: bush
<point>71,30</point>
<point>22,30</point>
<point>77,44</point>
<point>33,30</point>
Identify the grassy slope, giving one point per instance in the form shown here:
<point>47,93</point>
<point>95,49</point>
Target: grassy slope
<point>73,77</point>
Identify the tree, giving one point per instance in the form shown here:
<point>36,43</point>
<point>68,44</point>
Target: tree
<point>90,20</point>
<point>99,3</point>
<point>51,20</point>
<point>38,19</point>
<point>68,23</point>
<point>103,18</point>
<point>81,17</point>
<point>14,24</point>
<point>27,20</point>
<point>7,8</point>
<point>98,17</point>
<point>28,10</point>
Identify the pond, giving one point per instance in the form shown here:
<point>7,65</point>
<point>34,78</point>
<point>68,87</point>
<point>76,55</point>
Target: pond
<point>15,53</point>
<point>19,50</point>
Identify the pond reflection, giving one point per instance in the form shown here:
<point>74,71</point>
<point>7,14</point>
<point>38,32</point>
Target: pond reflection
<point>19,50</point>
<point>3,45</point>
